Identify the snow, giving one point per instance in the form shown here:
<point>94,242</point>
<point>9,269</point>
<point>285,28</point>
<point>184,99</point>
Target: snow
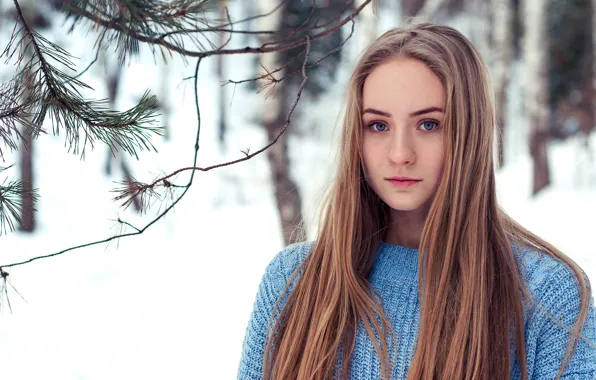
<point>174,302</point>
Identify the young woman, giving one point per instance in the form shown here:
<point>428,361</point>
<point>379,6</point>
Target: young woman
<point>416,272</point>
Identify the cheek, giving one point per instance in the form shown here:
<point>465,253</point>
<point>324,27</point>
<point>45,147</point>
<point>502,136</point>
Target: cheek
<point>439,164</point>
<point>440,161</point>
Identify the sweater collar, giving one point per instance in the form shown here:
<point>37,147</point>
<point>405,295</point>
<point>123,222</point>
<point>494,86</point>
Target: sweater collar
<point>395,262</point>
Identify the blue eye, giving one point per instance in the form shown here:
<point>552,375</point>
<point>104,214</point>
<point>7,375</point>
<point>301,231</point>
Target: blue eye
<point>428,125</point>
<point>382,127</point>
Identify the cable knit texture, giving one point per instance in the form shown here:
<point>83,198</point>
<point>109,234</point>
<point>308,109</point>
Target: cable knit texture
<point>395,276</point>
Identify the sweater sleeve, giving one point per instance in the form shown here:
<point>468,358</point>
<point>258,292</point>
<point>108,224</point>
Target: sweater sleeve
<point>561,298</point>
<point>277,274</point>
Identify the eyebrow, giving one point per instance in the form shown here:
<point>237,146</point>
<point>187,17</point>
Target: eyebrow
<point>412,114</point>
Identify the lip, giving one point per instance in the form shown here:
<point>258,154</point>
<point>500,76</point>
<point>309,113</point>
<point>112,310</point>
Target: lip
<point>403,181</point>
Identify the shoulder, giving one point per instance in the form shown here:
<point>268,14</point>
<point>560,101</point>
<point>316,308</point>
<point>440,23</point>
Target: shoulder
<point>265,309</point>
<point>287,261</point>
<point>546,276</point>
<point>554,286</point>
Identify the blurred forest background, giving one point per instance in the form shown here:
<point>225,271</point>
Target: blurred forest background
<point>149,305</point>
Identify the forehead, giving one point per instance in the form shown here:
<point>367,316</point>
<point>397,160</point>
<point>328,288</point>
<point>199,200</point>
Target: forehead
<point>402,85</point>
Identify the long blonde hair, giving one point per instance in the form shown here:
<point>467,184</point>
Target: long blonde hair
<point>471,286</point>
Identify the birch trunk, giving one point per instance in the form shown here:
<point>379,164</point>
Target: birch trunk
<point>477,12</point>
<point>502,50</point>
<point>367,26</point>
<point>535,45</point>
<point>220,74</point>
<point>164,101</point>
<point>429,10</point>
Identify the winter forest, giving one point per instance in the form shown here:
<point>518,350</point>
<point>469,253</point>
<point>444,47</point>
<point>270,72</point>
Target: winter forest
<point>136,252</point>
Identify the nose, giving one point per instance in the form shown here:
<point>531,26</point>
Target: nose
<point>401,150</point>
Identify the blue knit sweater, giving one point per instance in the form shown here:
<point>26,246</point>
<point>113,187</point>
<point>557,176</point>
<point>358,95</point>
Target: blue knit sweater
<point>395,276</point>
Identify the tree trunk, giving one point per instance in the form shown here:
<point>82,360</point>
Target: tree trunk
<point>478,15</point>
<point>429,10</point>
<point>593,79</point>
<point>367,26</point>
<point>536,89</point>
<point>275,110</point>
<point>31,14</point>
<point>502,48</point>
<point>113,75</point>
<point>286,191</point>
<point>164,101</point>
<point>411,8</point>
<point>28,210</point>
<point>220,75</point>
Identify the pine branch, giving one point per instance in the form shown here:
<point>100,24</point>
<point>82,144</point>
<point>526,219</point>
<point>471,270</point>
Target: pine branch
<point>4,284</point>
<point>165,180</point>
<point>161,215</point>
<point>131,189</point>
<point>145,19</point>
<point>14,110</point>
<point>11,207</point>
<point>53,92</point>
<point>145,188</point>
<point>114,26</point>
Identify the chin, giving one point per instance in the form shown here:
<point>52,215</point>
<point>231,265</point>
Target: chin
<point>405,208</point>
<point>407,205</point>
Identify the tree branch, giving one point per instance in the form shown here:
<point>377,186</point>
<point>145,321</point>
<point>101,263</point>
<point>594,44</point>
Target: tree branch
<point>269,73</point>
<point>307,42</point>
<point>151,190</point>
<point>58,94</point>
<point>247,50</point>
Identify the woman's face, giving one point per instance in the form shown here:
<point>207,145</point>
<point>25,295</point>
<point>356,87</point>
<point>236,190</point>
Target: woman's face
<point>403,114</point>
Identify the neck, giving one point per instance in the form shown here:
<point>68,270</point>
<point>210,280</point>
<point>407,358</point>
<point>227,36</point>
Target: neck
<point>406,228</point>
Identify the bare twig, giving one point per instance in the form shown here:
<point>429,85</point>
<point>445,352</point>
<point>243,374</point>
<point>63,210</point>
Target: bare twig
<point>94,59</point>
<point>138,230</point>
<point>246,153</point>
<point>164,181</point>
<point>268,72</point>
<point>148,191</point>
<point>281,32</point>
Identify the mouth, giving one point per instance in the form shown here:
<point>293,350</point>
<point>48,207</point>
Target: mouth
<point>403,181</point>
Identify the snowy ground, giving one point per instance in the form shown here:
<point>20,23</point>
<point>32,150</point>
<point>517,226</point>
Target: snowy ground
<point>174,302</point>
